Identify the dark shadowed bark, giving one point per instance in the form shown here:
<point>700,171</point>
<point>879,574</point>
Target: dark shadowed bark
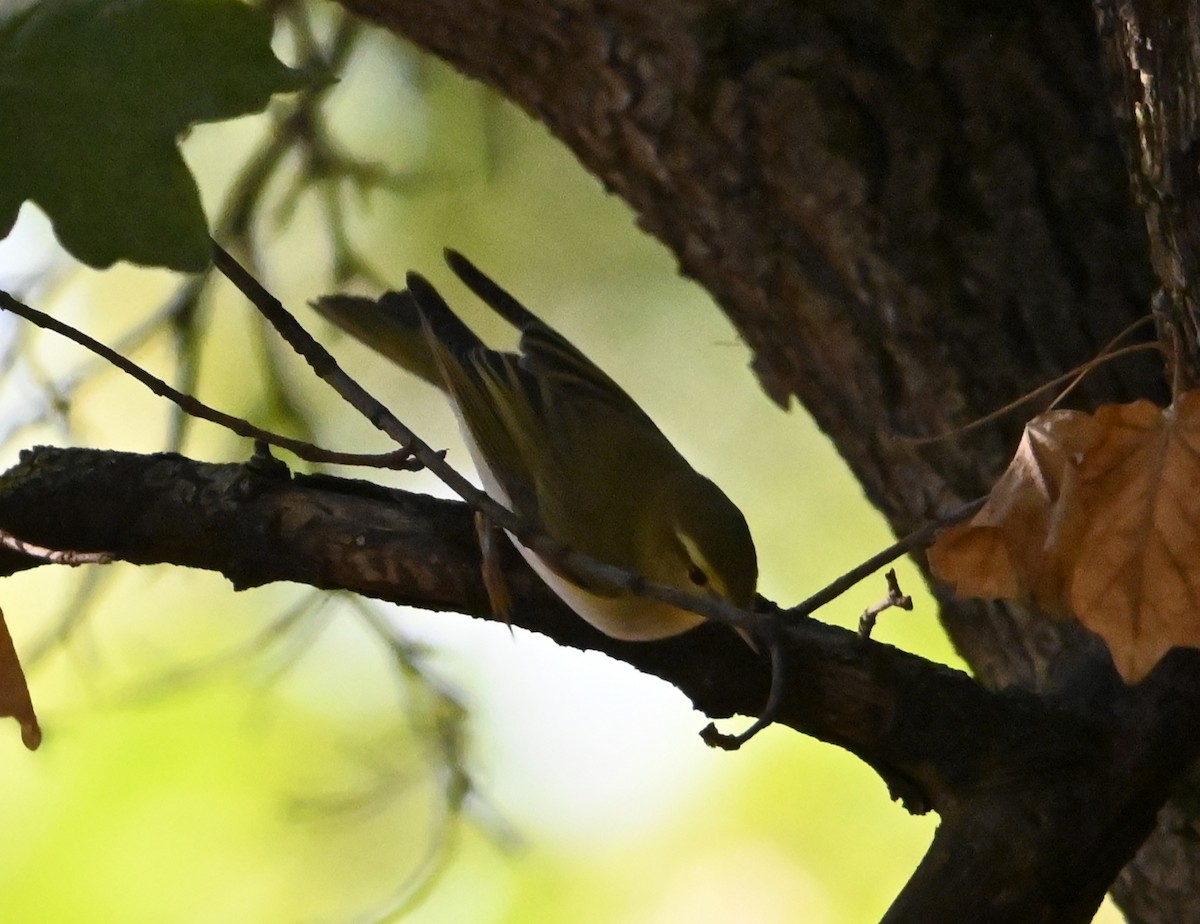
<point>912,212</point>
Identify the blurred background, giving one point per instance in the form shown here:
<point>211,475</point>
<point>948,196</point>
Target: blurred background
<point>284,756</point>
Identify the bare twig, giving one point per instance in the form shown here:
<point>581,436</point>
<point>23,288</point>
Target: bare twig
<point>917,539</point>
<point>54,556</point>
<point>1107,352</point>
<point>895,598</point>
<point>1074,376</point>
<point>197,408</point>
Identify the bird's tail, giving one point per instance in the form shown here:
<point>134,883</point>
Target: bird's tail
<point>395,326</point>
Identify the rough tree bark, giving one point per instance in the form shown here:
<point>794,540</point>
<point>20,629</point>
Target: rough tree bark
<point>912,212</point>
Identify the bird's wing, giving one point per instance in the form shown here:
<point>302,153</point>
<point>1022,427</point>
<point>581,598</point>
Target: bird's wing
<point>494,398</point>
<point>557,364</point>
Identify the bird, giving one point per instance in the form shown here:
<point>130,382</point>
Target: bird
<point>558,442</point>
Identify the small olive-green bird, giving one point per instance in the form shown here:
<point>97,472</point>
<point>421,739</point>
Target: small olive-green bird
<point>560,444</point>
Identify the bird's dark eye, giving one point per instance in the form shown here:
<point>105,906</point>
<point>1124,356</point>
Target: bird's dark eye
<point>697,576</point>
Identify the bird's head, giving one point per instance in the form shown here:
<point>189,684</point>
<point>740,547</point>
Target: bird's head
<point>703,544</point>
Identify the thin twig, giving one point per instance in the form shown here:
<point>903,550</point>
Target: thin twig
<point>1076,374</point>
<point>371,408</point>
<point>197,408</point>
<point>1110,353</point>
<point>918,538</point>
<point>895,598</point>
<point>54,556</point>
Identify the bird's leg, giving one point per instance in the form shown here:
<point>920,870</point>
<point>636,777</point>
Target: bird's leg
<point>767,637</point>
<point>489,536</point>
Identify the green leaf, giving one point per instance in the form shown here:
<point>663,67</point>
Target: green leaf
<point>95,95</point>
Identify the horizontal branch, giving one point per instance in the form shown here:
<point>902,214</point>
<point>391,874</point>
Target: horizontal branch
<point>256,524</point>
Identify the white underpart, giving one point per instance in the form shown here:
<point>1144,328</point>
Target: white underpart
<point>622,616</point>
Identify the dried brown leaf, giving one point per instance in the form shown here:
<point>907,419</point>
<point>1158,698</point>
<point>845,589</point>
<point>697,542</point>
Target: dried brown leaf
<point>1136,574</point>
<point>1001,553</point>
<point>1097,518</point>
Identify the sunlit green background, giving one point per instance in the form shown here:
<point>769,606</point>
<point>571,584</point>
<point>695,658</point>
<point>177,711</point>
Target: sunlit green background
<point>199,768</point>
